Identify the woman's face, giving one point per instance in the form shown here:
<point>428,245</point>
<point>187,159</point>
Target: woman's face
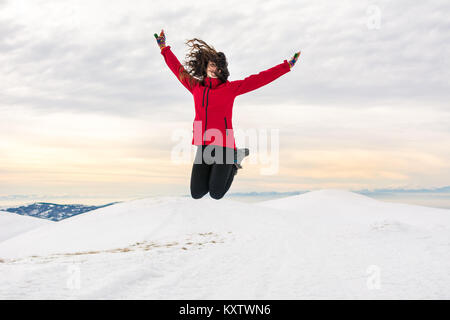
<point>211,69</point>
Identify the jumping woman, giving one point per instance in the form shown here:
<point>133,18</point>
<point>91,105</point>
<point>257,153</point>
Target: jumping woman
<point>206,77</point>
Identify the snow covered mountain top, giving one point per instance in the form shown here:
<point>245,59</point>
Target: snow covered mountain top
<point>140,220</point>
<point>170,217</point>
<point>321,244</point>
<point>353,207</point>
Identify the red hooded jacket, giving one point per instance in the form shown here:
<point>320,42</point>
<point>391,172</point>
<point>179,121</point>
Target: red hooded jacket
<point>214,101</point>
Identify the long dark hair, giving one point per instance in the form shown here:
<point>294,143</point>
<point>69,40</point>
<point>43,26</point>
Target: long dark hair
<point>197,62</point>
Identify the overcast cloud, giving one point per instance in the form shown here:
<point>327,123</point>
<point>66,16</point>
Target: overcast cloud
<point>100,57</point>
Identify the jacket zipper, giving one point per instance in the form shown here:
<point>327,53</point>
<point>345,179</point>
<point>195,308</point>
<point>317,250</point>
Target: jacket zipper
<point>206,108</point>
<point>203,101</point>
<point>226,128</point>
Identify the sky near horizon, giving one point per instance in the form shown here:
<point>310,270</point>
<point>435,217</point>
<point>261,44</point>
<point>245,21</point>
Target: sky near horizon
<point>89,107</point>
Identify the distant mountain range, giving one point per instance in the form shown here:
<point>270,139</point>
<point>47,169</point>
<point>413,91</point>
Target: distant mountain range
<point>57,212</point>
<point>445,189</point>
<point>53,211</point>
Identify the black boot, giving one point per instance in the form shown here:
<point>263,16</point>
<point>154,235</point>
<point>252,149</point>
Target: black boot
<point>239,155</point>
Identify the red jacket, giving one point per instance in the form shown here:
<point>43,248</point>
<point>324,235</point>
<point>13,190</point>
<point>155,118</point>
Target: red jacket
<point>214,101</point>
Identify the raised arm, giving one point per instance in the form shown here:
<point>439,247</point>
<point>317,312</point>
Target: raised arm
<point>256,81</point>
<point>172,62</point>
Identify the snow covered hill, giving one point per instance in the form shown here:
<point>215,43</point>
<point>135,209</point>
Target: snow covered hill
<point>12,224</point>
<point>321,244</point>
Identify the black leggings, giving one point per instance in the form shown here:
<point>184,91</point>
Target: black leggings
<point>211,173</point>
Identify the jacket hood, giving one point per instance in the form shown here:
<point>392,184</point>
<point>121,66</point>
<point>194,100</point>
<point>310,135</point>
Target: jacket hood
<point>212,82</point>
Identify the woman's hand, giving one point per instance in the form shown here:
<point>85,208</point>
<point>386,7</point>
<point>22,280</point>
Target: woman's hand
<point>161,40</point>
<point>294,59</point>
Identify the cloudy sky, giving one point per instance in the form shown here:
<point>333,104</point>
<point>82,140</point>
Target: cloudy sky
<point>88,107</point>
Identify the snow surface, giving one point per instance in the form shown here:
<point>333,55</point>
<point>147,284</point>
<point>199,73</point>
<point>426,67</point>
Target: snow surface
<point>12,224</point>
<point>327,244</point>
